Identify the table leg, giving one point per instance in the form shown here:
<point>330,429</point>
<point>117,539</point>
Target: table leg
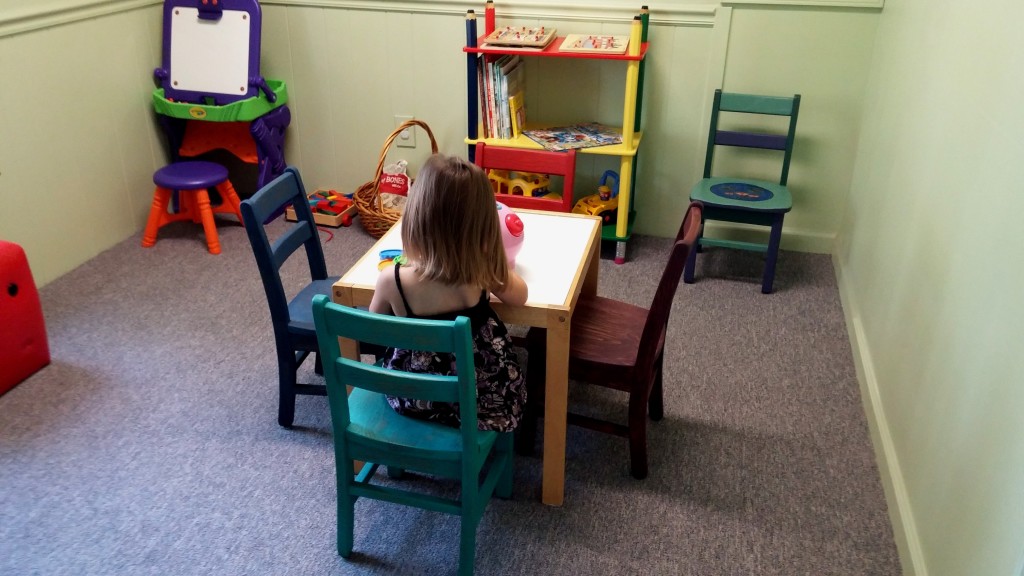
<point>589,287</point>
<point>349,347</point>
<point>555,407</point>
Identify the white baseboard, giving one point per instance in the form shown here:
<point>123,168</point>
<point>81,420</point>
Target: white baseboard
<point>900,514</point>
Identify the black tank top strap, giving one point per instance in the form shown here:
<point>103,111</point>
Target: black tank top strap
<point>398,282</point>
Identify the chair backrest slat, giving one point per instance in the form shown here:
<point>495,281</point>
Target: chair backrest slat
<point>750,140</point>
<point>374,378</point>
<point>753,104</point>
<point>286,244</point>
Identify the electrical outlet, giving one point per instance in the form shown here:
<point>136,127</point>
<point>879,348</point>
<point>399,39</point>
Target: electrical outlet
<point>407,138</point>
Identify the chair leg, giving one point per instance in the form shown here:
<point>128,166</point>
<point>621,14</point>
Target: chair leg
<point>691,259</point>
<point>202,200</point>
<point>161,197</point>
<point>287,377</point>
<point>656,403</point>
<point>774,239</point>
<point>346,522</point>
<point>230,199</point>
<point>637,436</point>
<point>503,448</point>
<point>467,541</point>
<point>535,366</point>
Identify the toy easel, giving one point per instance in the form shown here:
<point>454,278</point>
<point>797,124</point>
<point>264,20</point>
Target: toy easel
<point>212,95</point>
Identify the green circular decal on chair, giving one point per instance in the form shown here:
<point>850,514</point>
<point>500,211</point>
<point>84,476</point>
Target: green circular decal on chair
<point>742,191</point>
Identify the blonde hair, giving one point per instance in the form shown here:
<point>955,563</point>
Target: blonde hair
<point>450,225</point>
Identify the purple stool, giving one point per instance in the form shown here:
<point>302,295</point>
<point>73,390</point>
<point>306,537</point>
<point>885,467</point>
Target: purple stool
<point>191,180</point>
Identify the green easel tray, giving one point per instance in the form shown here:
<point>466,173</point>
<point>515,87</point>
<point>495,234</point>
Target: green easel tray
<point>241,111</point>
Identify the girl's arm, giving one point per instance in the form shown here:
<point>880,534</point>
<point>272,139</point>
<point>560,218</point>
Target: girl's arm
<point>515,291</point>
<point>381,301</point>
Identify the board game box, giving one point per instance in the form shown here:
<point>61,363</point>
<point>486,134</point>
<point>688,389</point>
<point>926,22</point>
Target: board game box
<point>595,44</point>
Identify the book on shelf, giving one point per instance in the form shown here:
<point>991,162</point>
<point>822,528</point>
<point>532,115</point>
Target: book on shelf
<point>485,113</point>
<point>511,74</point>
<point>595,44</point>
<point>498,79</point>
<point>587,135</point>
<point>517,112</point>
<point>531,37</point>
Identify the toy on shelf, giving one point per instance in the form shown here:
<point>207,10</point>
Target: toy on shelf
<point>605,203</point>
<point>512,232</point>
<point>521,37</point>
<point>330,208</point>
<point>596,44</point>
<point>529,184</point>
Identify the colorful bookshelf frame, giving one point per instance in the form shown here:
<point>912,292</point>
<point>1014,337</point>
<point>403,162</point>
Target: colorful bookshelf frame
<point>635,58</point>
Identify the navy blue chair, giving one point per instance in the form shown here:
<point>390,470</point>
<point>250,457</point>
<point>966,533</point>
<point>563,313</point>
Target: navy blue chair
<point>747,200</point>
<point>294,332</point>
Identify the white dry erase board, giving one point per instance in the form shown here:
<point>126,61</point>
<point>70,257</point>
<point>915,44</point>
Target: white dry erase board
<point>210,56</point>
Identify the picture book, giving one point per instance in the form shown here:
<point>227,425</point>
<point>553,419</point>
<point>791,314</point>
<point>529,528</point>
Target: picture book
<point>520,37</point>
<point>595,44</point>
<point>517,111</point>
<point>586,135</point>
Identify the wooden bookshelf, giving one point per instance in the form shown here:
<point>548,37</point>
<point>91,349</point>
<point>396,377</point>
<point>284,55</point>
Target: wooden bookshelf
<point>477,52</point>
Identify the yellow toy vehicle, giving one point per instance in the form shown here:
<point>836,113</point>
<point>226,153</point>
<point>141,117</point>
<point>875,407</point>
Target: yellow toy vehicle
<point>605,203</point>
<point>521,183</point>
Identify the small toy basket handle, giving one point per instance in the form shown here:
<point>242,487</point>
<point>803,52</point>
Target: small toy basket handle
<point>387,146</point>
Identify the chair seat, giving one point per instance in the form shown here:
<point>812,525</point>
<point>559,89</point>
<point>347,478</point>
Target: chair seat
<point>742,194</point>
<point>190,175</point>
<point>605,340</point>
<point>300,308</point>
<point>373,419</point>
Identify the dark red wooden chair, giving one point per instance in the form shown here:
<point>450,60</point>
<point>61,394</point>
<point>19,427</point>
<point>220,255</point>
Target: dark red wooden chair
<point>619,346</point>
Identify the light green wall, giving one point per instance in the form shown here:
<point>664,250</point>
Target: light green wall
<point>77,125</point>
<point>823,55</point>
<point>78,144</point>
<point>931,272</point>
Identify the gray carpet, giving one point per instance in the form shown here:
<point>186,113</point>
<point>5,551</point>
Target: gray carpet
<point>150,444</point>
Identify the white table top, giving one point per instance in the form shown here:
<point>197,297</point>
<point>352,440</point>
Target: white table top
<point>555,246</point>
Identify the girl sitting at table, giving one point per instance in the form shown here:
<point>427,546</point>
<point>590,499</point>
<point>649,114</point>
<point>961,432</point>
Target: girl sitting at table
<point>454,257</point>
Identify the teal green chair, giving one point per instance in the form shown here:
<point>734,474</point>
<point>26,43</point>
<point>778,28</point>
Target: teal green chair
<point>747,200</point>
<point>367,429</point>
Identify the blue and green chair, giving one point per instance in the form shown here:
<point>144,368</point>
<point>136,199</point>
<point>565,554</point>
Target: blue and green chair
<point>747,200</point>
<point>367,430</point>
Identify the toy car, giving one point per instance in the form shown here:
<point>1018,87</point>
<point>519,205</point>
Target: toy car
<point>521,183</point>
<point>605,203</point>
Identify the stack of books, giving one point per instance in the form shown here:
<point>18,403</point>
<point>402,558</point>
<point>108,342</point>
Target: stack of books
<point>502,91</point>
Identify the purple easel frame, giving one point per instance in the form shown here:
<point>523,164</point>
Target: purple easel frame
<point>212,10</point>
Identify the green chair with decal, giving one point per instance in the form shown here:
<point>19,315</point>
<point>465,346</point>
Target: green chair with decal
<point>747,200</point>
<point>368,431</point>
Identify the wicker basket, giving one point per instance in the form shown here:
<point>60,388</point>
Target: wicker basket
<point>375,217</point>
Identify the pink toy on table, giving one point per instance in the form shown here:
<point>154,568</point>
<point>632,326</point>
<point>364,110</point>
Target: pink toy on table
<point>512,232</point>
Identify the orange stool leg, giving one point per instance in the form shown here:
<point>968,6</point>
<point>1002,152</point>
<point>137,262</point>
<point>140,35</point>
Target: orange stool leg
<point>202,204</point>
<point>157,215</point>
<point>230,203</point>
